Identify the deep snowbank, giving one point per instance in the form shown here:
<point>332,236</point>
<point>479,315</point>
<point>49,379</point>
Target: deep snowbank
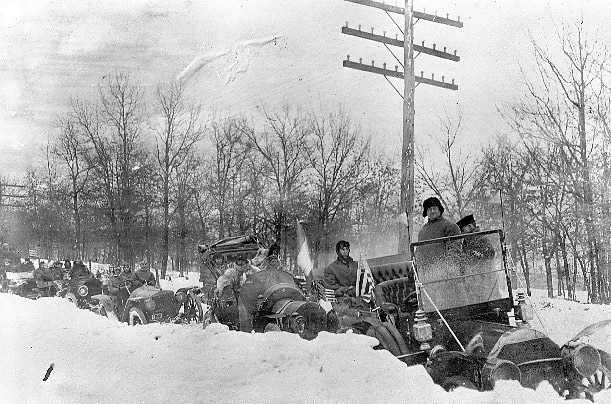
<point>100,360</point>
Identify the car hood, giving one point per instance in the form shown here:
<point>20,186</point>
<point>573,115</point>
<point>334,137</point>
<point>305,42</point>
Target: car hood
<point>146,291</point>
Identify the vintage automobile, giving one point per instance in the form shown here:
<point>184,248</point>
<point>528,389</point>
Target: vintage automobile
<point>81,289</point>
<point>23,284</point>
<point>137,306</point>
<point>270,300</point>
<point>457,314</point>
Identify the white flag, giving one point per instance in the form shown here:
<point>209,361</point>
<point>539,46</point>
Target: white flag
<point>303,256</point>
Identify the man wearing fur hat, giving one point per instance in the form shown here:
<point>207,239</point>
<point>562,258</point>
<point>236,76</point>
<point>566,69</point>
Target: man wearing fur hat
<point>437,226</point>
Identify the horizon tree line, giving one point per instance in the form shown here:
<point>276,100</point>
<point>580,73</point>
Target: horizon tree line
<point>127,178</point>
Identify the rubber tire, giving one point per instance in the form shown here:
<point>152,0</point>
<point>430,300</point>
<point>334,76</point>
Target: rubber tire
<point>71,298</point>
<point>137,312</point>
<point>397,337</point>
<point>384,338</point>
<point>453,382</point>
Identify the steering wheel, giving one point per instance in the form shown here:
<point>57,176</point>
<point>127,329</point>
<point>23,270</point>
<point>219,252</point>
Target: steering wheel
<point>411,301</point>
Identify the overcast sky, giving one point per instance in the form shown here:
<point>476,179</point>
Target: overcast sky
<point>226,54</point>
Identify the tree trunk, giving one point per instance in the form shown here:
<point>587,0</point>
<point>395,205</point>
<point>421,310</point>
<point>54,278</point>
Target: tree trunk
<point>559,274</point>
<point>570,286</point>
<point>165,248</point>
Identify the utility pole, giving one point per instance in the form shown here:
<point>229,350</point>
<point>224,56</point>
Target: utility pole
<point>409,85</point>
<point>407,151</point>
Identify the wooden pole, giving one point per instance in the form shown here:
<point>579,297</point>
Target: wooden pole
<point>407,159</point>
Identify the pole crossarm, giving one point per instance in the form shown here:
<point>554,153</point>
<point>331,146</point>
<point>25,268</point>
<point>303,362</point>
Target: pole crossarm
<point>399,43</point>
<point>395,73</point>
<point>419,15</point>
<point>13,196</point>
<point>12,205</point>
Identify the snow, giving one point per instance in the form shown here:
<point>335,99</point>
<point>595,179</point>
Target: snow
<point>97,360</point>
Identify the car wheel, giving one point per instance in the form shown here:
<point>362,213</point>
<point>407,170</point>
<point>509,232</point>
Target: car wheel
<point>209,318</point>
<point>193,310</point>
<point>137,317</point>
<point>385,338</point>
<point>596,383</point>
<point>271,327</point>
<point>454,382</point>
<point>397,337</point>
<point>71,298</point>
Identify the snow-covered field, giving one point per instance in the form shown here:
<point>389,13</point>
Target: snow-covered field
<point>98,360</point>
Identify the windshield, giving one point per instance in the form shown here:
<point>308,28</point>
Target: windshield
<point>461,270</point>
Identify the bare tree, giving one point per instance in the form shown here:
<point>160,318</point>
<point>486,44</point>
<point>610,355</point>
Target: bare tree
<point>282,146</point>
<point>177,135</point>
<point>68,149</point>
<point>556,110</point>
<point>337,155</point>
<point>458,180</point>
<point>227,178</point>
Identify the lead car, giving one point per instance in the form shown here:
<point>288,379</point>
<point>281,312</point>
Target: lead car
<point>458,315</point>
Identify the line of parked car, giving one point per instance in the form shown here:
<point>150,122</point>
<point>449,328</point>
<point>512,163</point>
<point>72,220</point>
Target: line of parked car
<point>461,319</point>
<point>132,304</point>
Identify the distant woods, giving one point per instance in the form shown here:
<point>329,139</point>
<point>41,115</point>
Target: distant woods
<point>129,176</point>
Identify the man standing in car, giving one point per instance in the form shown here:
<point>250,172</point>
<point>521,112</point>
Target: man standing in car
<point>437,226</point>
<point>340,275</point>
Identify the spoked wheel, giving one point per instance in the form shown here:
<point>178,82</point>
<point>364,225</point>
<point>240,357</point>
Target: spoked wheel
<point>597,382</point>
<point>209,318</point>
<point>193,310</point>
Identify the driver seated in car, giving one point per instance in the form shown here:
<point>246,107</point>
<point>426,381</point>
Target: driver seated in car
<point>340,275</point>
<point>235,276</point>
<point>143,276</point>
